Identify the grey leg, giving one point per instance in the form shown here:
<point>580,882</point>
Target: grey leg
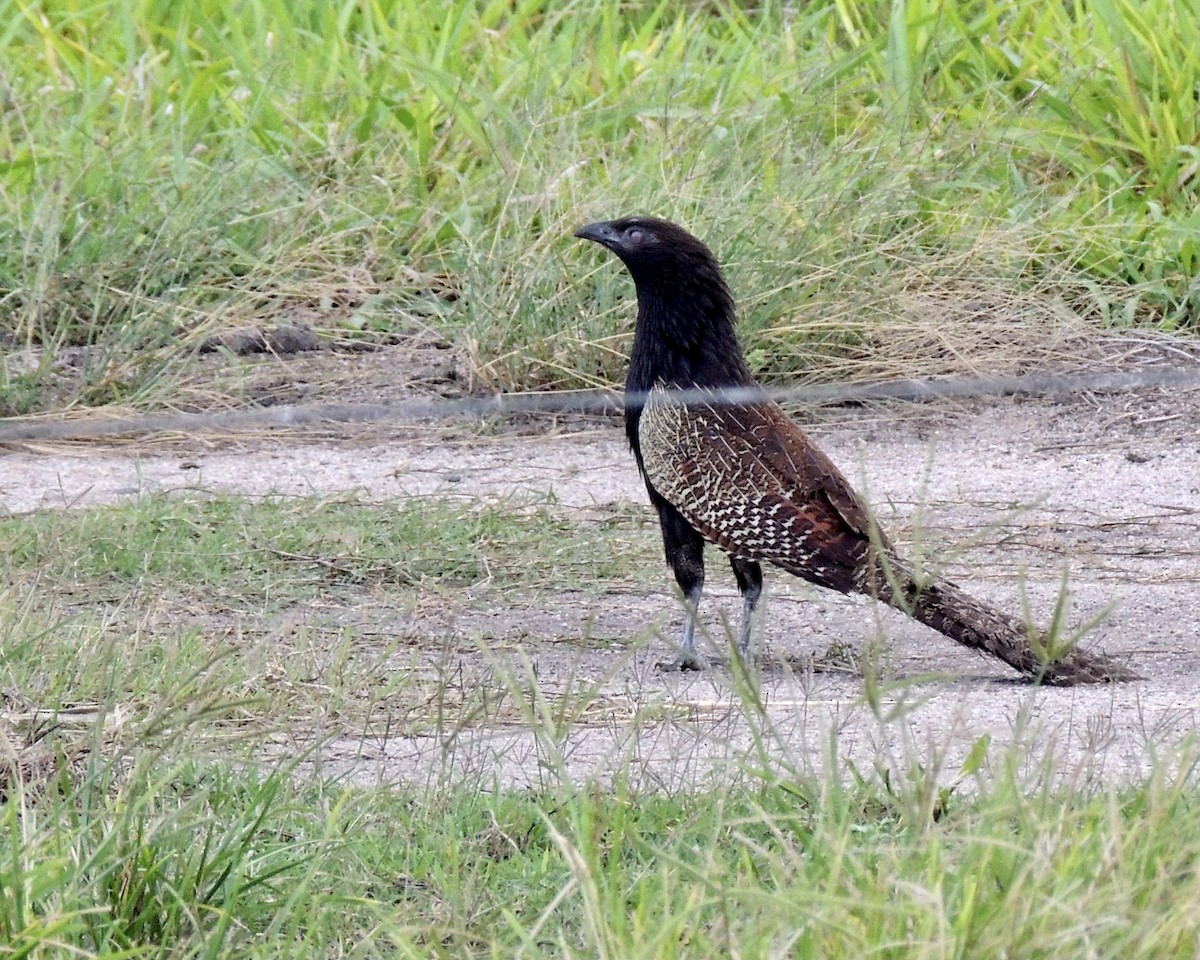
<point>750,583</point>
<point>685,553</point>
<point>688,658</point>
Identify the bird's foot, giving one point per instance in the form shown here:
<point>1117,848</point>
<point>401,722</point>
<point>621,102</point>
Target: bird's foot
<point>691,660</point>
<point>687,660</point>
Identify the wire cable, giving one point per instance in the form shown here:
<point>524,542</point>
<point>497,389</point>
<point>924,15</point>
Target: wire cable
<point>16,430</point>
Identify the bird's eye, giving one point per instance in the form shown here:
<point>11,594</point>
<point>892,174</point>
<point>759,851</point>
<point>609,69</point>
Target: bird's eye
<point>634,235</point>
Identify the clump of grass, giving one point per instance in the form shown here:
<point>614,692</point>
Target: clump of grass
<point>154,856</point>
<point>1096,103</point>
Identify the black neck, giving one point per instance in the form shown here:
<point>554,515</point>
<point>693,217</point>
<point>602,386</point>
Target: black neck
<point>684,337</point>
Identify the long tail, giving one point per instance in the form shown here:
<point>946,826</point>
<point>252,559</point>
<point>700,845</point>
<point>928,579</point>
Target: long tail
<point>945,607</point>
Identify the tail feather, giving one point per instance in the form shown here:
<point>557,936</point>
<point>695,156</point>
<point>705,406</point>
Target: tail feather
<point>946,608</point>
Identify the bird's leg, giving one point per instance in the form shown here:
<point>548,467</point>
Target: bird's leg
<point>689,658</point>
<point>750,583</point>
<point>685,552</point>
<point>691,580</point>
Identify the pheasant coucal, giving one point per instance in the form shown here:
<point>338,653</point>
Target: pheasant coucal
<point>723,463</point>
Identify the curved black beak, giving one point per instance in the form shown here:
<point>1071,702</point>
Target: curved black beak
<point>601,232</point>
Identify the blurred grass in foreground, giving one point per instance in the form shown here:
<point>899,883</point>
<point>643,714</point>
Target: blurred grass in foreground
<point>116,846</point>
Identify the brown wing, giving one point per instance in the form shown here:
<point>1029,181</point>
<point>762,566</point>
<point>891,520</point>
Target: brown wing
<point>750,481</point>
<point>788,453</point>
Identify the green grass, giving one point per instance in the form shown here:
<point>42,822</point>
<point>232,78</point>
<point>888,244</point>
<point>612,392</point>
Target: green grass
<point>289,606</point>
<point>167,170</point>
<point>240,554</point>
<point>169,857</point>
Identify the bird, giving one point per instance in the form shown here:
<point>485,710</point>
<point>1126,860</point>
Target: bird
<point>724,465</point>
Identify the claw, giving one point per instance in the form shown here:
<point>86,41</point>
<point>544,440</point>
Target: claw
<point>683,663</point>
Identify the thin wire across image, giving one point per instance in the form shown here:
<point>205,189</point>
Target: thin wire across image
<point>587,402</point>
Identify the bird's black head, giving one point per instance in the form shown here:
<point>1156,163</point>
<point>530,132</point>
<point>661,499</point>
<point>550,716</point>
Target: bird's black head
<point>651,248</point>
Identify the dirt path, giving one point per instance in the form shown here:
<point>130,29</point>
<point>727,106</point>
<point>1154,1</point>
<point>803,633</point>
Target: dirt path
<point>1007,494</point>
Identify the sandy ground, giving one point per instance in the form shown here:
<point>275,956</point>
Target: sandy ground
<point>1006,493</point>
